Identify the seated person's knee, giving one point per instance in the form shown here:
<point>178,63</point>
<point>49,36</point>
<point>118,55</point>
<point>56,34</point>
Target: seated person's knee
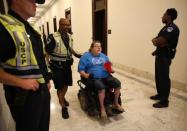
<point>99,85</point>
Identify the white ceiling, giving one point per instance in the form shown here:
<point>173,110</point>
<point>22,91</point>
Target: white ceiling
<point>41,10</point>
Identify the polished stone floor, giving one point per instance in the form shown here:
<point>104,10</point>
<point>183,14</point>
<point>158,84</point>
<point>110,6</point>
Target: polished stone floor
<point>139,114</point>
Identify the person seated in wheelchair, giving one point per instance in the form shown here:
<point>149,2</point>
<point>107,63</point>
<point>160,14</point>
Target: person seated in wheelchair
<point>96,66</point>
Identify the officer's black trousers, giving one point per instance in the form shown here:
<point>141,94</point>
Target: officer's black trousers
<point>163,83</point>
<point>33,113</point>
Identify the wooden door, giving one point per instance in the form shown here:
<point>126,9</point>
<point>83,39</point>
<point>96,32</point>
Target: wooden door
<point>99,14</point>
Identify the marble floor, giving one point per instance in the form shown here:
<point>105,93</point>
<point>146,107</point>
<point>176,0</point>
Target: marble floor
<point>139,114</point>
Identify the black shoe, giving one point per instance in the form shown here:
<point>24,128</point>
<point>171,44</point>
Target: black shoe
<point>66,102</point>
<point>65,113</point>
<point>161,104</point>
<point>155,97</point>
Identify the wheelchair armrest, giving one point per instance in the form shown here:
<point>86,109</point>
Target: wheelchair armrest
<point>81,85</point>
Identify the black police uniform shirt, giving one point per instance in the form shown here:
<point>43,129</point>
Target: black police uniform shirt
<point>171,34</point>
<point>8,49</point>
<point>50,44</point>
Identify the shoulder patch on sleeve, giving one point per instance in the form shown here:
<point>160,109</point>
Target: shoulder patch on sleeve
<point>48,41</point>
<point>169,29</point>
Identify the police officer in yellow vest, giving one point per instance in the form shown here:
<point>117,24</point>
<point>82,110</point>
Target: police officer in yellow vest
<point>23,69</point>
<point>60,49</point>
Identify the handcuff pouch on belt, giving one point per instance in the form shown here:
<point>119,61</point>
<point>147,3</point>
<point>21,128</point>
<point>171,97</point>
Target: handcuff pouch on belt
<point>69,61</point>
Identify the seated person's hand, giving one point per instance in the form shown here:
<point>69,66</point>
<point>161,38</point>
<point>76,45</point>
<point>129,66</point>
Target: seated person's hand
<point>90,76</point>
<point>86,75</point>
<point>108,67</point>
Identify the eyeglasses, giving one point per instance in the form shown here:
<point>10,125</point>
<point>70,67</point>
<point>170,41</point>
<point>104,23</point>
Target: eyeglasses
<point>97,46</point>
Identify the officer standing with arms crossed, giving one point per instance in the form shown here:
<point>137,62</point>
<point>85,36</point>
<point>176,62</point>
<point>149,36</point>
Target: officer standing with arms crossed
<point>59,47</point>
<point>166,43</point>
<point>23,69</point>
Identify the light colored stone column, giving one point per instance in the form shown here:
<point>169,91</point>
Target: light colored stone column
<point>6,121</point>
<point>5,5</point>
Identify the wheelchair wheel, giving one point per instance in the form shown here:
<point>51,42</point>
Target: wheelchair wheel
<point>83,100</point>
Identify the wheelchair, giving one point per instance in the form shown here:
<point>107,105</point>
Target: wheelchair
<point>89,101</point>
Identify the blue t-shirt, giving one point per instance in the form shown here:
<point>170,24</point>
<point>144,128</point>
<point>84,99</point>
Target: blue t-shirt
<point>92,64</point>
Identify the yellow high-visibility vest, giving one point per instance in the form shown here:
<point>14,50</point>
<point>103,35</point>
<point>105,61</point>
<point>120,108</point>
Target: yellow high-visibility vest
<point>24,64</point>
<point>60,52</point>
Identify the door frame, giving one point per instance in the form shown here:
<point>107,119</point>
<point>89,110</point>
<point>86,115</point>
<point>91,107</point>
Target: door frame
<point>68,16</point>
<point>96,7</point>
<point>2,7</point>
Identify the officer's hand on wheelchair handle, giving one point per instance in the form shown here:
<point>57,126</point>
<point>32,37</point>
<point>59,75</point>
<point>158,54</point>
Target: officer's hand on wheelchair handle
<point>78,55</point>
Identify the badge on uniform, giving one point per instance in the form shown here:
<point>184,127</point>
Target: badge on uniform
<point>169,29</point>
<point>48,41</point>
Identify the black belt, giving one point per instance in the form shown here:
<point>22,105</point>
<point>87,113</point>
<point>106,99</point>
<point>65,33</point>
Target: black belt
<point>57,64</point>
